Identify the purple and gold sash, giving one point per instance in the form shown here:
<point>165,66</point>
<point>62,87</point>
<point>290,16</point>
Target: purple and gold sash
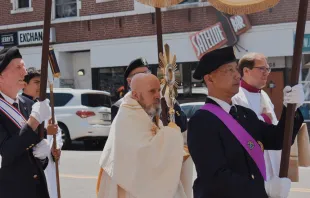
<point>245,139</point>
<point>13,114</point>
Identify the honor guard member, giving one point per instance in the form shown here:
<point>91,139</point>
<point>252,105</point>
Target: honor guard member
<point>31,90</point>
<point>226,141</point>
<point>137,66</point>
<point>24,154</point>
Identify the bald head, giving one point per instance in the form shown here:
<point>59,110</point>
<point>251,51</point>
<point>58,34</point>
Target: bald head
<point>140,81</point>
<point>145,89</point>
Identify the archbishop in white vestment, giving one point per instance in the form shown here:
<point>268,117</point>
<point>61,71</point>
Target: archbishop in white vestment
<point>259,101</point>
<point>138,162</point>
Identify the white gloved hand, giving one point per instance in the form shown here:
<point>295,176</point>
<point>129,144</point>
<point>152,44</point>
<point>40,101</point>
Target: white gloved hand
<point>41,111</point>
<point>42,149</point>
<point>278,187</point>
<point>294,95</point>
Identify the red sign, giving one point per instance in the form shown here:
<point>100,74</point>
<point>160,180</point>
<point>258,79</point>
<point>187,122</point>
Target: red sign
<point>240,24</point>
<point>208,39</point>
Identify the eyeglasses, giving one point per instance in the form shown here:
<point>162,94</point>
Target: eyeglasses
<point>263,69</point>
<point>146,72</point>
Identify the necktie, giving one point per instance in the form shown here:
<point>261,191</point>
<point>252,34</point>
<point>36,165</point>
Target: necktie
<point>15,105</point>
<point>233,112</point>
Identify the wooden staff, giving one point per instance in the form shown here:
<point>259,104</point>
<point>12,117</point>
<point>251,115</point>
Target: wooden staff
<point>54,138</point>
<point>159,34</point>
<point>44,60</point>
<point>290,110</point>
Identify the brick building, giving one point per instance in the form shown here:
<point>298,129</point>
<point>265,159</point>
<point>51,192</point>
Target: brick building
<point>100,37</point>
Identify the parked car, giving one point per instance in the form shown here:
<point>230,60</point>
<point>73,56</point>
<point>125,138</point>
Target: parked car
<point>199,94</point>
<point>82,114</point>
<point>190,108</point>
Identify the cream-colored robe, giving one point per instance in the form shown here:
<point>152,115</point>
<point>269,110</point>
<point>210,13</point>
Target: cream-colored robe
<point>257,102</point>
<point>138,164</point>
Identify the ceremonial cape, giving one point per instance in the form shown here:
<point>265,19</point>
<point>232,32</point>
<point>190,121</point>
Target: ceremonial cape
<point>139,163</point>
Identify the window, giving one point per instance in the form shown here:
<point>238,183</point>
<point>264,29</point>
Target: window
<point>305,80</point>
<point>194,97</point>
<point>111,80</point>
<point>20,6</point>
<point>190,110</point>
<point>60,99</point>
<point>23,4</point>
<point>65,8</point>
<point>96,100</point>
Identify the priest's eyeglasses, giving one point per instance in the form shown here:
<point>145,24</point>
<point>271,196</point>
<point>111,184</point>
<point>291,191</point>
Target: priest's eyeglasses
<point>263,69</point>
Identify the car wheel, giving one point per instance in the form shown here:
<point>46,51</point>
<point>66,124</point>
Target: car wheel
<point>65,136</point>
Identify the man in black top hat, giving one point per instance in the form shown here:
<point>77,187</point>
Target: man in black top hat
<point>226,141</point>
<point>23,153</point>
<point>137,66</point>
<point>140,65</point>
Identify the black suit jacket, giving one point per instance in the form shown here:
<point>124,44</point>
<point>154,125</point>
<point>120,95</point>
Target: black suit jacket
<point>224,168</point>
<point>21,174</point>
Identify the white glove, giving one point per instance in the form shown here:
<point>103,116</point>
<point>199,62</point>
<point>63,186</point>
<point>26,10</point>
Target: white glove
<point>41,111</point>
<point>278,187</point>
<point>42,149</point>
<point>294,95</point>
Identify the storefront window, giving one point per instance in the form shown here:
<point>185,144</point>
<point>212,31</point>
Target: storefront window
<point>305,80</point>
<point>111,79</point>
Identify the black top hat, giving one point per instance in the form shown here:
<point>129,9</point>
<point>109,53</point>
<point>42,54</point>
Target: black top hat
<point>213,60</point>
<point>7,55</point>
<point>139,62</point>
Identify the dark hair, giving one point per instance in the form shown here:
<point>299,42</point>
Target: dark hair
<point>32,73</point>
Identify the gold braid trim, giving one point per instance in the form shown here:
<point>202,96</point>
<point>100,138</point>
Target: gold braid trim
<point>186,153</point>
<point>160,3</point>
<point>137,107</point>
<point>252,6</point>
<point>99,180</point>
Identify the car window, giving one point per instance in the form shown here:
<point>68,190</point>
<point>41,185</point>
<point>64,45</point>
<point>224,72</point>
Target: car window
<point>187,110</point>
<point>96,100</point>
<point>190,110</point>
<point>60,99</point>
<point>181,98</point>
<point>196,108</point>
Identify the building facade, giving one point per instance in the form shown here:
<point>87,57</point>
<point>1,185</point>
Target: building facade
<point>94,40</point>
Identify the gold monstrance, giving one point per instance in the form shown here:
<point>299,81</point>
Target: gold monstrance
<point>169,84</point>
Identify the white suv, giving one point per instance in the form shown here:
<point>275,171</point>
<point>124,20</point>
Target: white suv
<point>82,114</point>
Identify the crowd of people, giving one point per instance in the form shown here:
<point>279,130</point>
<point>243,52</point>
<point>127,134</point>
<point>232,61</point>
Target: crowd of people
<point>234,141</point>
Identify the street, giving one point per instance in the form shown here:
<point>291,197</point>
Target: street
<point>79,170</point>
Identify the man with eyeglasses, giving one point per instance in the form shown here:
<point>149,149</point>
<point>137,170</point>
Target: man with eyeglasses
<point>227,141</point>
<point>24,154</point>
<point>255,70</point>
